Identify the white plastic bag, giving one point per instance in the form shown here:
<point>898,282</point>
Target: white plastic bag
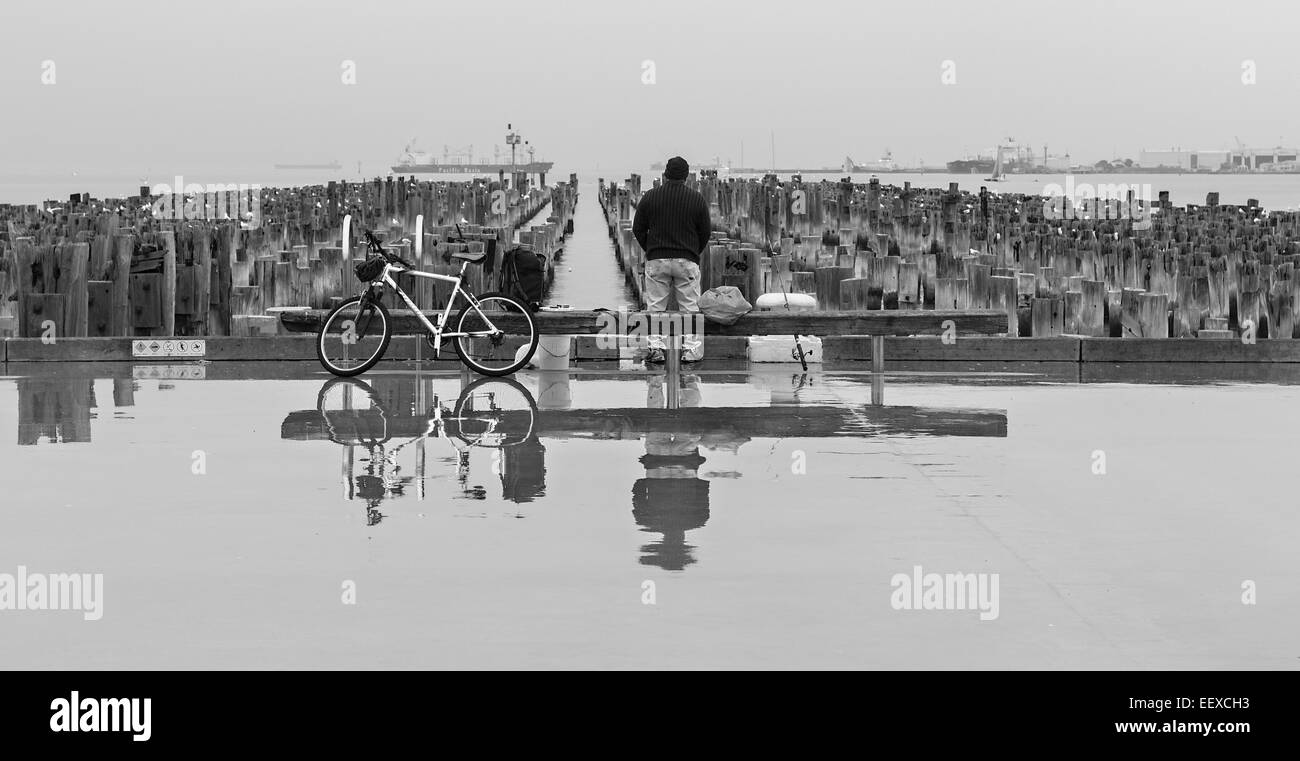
<point>724,304</point>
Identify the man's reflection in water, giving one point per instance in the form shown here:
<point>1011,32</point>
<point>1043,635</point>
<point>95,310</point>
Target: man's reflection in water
<point>672,499</point>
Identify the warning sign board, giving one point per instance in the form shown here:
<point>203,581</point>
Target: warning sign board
<point>168,348</point>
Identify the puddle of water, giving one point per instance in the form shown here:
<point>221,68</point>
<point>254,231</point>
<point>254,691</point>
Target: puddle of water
<point>427,520</point>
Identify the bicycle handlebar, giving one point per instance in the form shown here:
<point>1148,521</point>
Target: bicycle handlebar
<point>378,248</point>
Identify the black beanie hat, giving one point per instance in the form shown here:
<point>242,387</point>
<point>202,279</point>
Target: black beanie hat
<point>677,168</point>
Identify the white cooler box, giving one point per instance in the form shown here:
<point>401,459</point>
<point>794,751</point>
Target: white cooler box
<point>792,302</point>
<point>781,349</point>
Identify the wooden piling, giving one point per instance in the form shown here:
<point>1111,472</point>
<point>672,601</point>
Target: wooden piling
<point>166,285</point>
<point>43,316</point>
<point>99,308</point>
<point>1092,312</point>
<point>147,303</point>
<point>119,274</point>
<point>909,286</point>
<point>1130,320</point>
<point>1048,317</point>
<point>827,280</point>
<point>73,265</point>
<point>1003,298</point>
<point>1153,315</point>
<point>853,294</point>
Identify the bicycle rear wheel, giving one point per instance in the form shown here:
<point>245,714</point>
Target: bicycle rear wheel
<point>509,335</point>
<point>354,337</point>
<point>494,413</point>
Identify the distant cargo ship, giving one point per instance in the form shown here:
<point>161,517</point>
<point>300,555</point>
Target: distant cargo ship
<point>415,161</point>
<point>405,166</point>
<point>884,164</point>
<point>333,165</point>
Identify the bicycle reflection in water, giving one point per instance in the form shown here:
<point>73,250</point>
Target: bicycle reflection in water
<point>382,420</point>
<point>395,413</point>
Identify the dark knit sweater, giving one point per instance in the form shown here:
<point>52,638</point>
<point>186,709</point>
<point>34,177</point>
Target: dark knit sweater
<point>672,221</point>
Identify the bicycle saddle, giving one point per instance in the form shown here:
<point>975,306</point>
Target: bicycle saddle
<point>469,256</point>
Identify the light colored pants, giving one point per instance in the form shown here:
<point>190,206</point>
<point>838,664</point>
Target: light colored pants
<point>672,444</point>
<point>683,277</point>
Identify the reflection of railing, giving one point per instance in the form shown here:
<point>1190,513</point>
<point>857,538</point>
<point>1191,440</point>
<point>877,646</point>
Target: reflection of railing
<point>784,421</point>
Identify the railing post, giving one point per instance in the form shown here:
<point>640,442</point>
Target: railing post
<point>673,365</point>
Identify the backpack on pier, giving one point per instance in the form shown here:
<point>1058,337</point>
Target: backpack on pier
<point>523,276</point>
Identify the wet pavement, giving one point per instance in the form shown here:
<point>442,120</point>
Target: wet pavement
<point>264,516</point>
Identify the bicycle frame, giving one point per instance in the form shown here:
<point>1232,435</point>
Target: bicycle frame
<point>437,330</point>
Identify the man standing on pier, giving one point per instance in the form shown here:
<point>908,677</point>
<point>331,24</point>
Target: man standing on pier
<point>672,226</point>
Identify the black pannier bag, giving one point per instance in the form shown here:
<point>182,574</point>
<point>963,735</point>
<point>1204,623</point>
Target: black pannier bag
<point>369,270</point>
<point>523,276</point>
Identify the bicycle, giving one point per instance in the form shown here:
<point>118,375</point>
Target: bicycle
<point>350,330</point>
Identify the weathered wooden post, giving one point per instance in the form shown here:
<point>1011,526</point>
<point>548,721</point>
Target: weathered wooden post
<point>219,300</point>
<point>99,308</point>
<point>167,284</point>
<point>120,276</point>
<point>1092,309</point>
<point>1048,316</point>
<point>72,268</point>
<point>1130,323</point>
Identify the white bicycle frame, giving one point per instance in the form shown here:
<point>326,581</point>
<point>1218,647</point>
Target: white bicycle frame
<point>387,279</point>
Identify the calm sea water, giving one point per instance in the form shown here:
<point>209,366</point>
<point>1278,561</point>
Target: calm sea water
<point>1281,191</point>
<point>1272,191</point>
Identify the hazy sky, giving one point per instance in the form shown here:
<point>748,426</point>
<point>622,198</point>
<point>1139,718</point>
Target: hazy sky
<point>205,86</point>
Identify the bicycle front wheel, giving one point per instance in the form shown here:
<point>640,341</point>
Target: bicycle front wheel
<point>501,335</point>
<point>354,337</point>
<point>352,413</point>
